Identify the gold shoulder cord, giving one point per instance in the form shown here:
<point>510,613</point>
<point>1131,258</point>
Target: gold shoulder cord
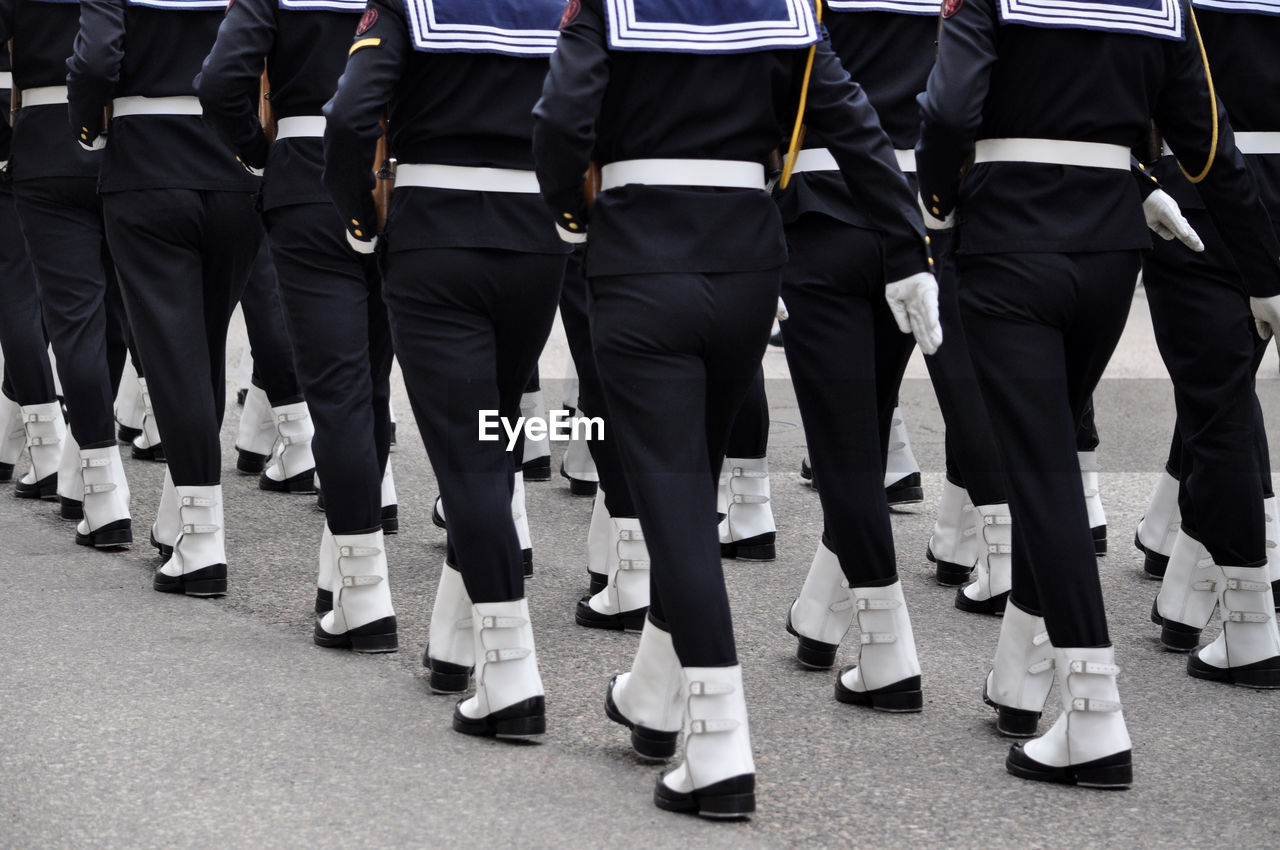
<point>1213,104</point>
<point>797,134</point>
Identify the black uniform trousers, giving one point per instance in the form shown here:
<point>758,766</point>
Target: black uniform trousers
<point>972,461</point>
<point>468,325</point>
<point>591,400</point>
<point>184,256</point>
<point>1200,311</point>
<point>677,353</point>
<point>1041,328</point>
<point>847,357</point>
<point>28,378</point>
<point>62,219</point>
<point>264,325</point>
<point>332,300</point>
<point>749,436</point>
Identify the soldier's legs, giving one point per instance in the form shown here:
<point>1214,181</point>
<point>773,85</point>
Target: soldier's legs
<point>333,305</point>
<point>676,353</point>
<point>468,326</point>
<point>1041,328</point>
<point>842,349</point>
<point>184,257</point>
<point>28,377</point>
<point>1206,336</point>
<point>63,223</point>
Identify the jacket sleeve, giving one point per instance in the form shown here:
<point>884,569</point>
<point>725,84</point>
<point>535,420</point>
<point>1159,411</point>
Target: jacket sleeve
<point>228,82</point>
<point>94,66</point>
<point>1194,125</point>
<point>838,108</point>
<point>375,65</point>
<point>564,119</point>
<point>951,106</point>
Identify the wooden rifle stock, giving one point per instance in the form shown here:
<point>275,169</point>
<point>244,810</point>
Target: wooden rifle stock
<point>591,184</point>
<point>384,174</point>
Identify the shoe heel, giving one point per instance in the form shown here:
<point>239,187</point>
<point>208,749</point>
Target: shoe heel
<point>1099,540</point>
<point>653,744</point>
<point>1016,723</point>
<point>905,491</point>
<point>898,702</point>
<point>633,621</point>
<point>727,799</point>
<point>250,463</point>
<point>111,536</point>
<point>811,653</point>
<point>1114,776</point>
<point>1155,564</point>
<point>952,575</point>
<point>70,509</point>
<point>445,678</point>
<point>391,519</point>
<point>378,636</point>
<point>526,719</point>
<point>759,548</point>
<point>526,556</point>
<point>538,469</point>
<point>324,601</point>
<point>1177,637</point>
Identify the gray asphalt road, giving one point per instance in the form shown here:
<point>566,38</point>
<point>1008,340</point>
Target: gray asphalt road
<point>133,719</point>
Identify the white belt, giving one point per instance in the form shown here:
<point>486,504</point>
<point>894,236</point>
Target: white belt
<point>1248,142</point>
<point>6,79</point>
<point>123,107</point>
<point>1053,152</point>
<point>719,173</point>
<point>45,96</point>
<point>300,127</point>
<point>820,159</point>
<point>467,178</point>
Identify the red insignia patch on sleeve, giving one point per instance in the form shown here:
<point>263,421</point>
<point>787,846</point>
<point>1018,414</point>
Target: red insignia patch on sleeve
<point>950,7</point>
<point>366,23</point>
<point>571,11</point>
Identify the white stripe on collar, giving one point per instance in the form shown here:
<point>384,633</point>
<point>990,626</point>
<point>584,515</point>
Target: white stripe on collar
<point>182,5</point>
<point>902,7</point>
<point>324,5</point>
<point>509,27</point>
<point>710,26</point>
<point>1159,18</point>
<point>1253,7</point>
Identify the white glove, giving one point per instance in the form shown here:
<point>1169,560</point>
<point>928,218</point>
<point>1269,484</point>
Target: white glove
<point>362,246</point>
<point>914,303</point>
<point>1266,315</point>
<point>932,222</point>
<point>783,315</point>
<point>1165,218</point>
<point>97,144</point>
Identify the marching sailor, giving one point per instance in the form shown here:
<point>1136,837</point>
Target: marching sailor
<point>331,294</point>
<point>1200,311</point>
<point>847,356</point>
<point>183,232</point>
<point>1049,231</point>
<point>472,269</point>
<point>28,377</point>
<point>55,186</point>
<point>682,106</point>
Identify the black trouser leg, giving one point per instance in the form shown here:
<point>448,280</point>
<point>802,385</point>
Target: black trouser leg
<point>341,348</point>
<point>184,257</point>
<point>28,378</point>
<point>264,324</point>
<point>1041,328</point>
<point>972,458</point>
<point>845,353</point>
<point>749,435</point>
<point>468,326</point>
<point>591,400</point>
<point>1206,336</point>
<point>677,353</point>
<point>1087,439</point>
<point>63,224</point>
